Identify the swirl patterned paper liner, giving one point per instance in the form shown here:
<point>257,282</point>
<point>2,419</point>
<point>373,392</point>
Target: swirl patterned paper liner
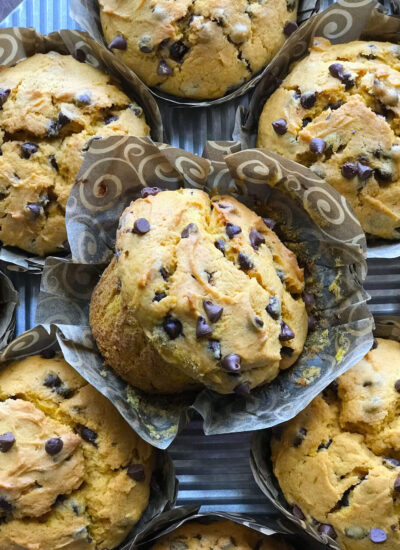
<point>86,14</point>
<point>163,485</point>
<point>19,43</point>
<point>8,304</point>
<point>260,456</point>
<point>317,223</point>
<point>344,21</point>
<point>170,521</point>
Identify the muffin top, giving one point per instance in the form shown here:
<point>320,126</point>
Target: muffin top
<point>338,461</point>
<point>199,49</point>
<point>214,289</point>
<point>73,475</point>
<point>338,112</point>
<point>220,535</point>
<point>50,107</point>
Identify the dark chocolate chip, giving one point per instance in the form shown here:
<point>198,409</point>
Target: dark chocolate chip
<point>189,230</point>
<point>158,296</point>
<point>397,386</point>
<point>256,239</point>
<point>80,55</point>
<point>336,70</point>
<point>245,262</point>
<point>384,174</point>
<point>317,146</point>
<point>349,170</point>
<point>335,106</point>
<point>286,351</point>
<point>150,192</point>
<point>299,438</point>
<point>54,446</point>
<point>146,44</point>
<point>298,513</point>
<point>48,354</point>
<point>173,327</point>
<point>220,245</point>
<point>5,506</point>
<point>215,347</point>
<point>397,483</point>
<point>308,100</point>
<point>348,81</point>
<point>213,311</point>
<point>328,530</point>
<point>258,322</point>
<point>118,43</point>
<point>53,162</point>
<point>110,119</point>
<point>364,172</point>
<point>65,392</point>
<point>164,69</point>
<point>325,445</point>
<point>274,308</point>
<point>312,323</point>
<point>89,435</point>
<point>286,333</point>
<point>290,28</point>
<point>164,273</point>
<point>141,226</point>
<point>178,50</point>
<point>34,210</point>
<point>271,224</point>
<point>83,99</point>
<point>4,96</point>
<point>231,362</point>
<point>203,328</point>
<point>63,119</point>
<point>136,472</point>
<point>377,535</point>
<point>28,149</point>
<point>136,110</point>
<point>242,389</point>
<point>280,126</point>
<point>374,344</point>
<point>7,440</point>
<point>232,230</point>
<point>306,121</point>
<point>52,381</point>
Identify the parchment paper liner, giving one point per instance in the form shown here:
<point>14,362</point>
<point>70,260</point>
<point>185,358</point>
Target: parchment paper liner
<point>170,521</point>
<point>113,173</point>
<point>260,458</point>
<point>17,43</point>
<point>163,485</point>
<point>8,303</point>
<point>342,22</point>
<point>86,15</point>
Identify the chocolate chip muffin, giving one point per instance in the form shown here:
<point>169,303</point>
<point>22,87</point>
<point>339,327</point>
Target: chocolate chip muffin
<point>51,106</point>
<point>201,49</point>
<point>338,112</point>
<point>220,535</point>
<point>338,461</point>
<point>201,292</point>
<point>73,475</point>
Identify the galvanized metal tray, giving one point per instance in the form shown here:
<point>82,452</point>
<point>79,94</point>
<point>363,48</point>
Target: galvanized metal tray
<point>213,471</point>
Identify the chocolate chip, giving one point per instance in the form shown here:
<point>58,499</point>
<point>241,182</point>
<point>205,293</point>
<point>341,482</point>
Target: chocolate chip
<point>271,224</point>
<point>298,513</point>
<point>299,438</point>
<point>173,327</point>
<point>377,535</point>
<point>213,311</point>
<point>150,192</point>
<point>349,170</point>
<point>397,386</point>
<point>65,392</point>
<point>286,333</point>
<point>4,96</point>
<point>28,149</point>
<point>164,69</point>
<point>53,162</point>
<point>384,174</point>
<point>274,308</point>
<point>317,146</point>
<point>191,229</point>
<point>89,435</point>
<point>52,381</point>
<point>118,43</point>
<point>280,126</point>
<point>308,299</point>
<point>258,322</point>
<point>348,81</point>
<point>245,262</point>
<point>286,351</point>
<point>215,347</point>
<point>83,99</point>
<point>256,239</point>
<point>232,230</point>
<point>158,296</point>
<point>80,55</point>
<point>242,389</point>
<point>231,362</point>
<point>141,226</point>
<point>110,119</point>
<point>306,121</point>
<point>146,43</point>
<point>5,506</point>
<point>290,28</point>
<point>324,445</point>
<point>335,106</point>
<point>312,323</point>
<point>397,483</point>
<point>137,111</point>
<point>63,119</point>
<point>34,210</point>
<point>202,328</point>
<point>136,472</point>
<point>178,50</point>
<point>220,245</point>
<point>374,344</point>
<point>7,440</point>
<point>164,273</point>
<point>54,446</point>
<point>364,172</point>
<point>336,70</point>
<point>308,100</point>
<point>328,530</point>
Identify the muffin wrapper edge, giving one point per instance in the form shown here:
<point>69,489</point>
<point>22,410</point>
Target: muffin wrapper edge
<point>8,304</point>
<point>318,222</point>
<point>342,22</point>
<point>260,456</point>
<point>17,43</point>
<point>163,485</point>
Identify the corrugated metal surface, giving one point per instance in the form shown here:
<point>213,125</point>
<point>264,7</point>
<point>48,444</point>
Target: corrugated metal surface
<point>212,471</point>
